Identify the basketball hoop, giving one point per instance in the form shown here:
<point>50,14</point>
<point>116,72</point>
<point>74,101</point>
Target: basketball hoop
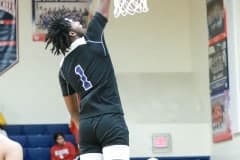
<point>129,7</point>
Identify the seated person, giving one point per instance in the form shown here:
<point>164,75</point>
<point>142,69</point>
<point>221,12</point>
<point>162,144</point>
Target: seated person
<point>62,150</point>
<point>10,150</point>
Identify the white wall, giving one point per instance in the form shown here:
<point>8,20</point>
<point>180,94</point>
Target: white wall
<point>165,103</point>
<point>157,69</point>
<point>158,41</point>
<point>226,150</point>
<point>161,98</point>
<point>188,139</point>
<point>199,50</point>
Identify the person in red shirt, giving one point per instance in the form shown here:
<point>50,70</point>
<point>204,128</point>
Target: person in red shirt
<point>62,150</point>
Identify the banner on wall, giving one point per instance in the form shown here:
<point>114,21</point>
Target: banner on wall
<point>216,19</point>
<point>42,10</point>
<point>220,117</point>
<point>218,67</point>
<point>218,70</point>
<point>8,36</point>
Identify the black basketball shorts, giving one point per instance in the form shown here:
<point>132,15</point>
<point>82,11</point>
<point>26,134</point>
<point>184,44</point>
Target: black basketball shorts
<point>101,131</point>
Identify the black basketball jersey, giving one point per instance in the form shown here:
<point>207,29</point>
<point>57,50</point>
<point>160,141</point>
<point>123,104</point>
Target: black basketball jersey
<point>87,69</point>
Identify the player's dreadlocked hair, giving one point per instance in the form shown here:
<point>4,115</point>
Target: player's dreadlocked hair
<point>58,35</point>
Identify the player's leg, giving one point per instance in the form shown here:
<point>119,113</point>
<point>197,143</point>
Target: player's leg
<point>112,133</point>
<point>10,150</point>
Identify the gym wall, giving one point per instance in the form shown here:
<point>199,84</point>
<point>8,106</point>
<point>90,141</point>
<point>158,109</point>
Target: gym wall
<point>158,58</point>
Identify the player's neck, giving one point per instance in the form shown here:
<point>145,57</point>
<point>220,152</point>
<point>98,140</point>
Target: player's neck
<point>74,38</point>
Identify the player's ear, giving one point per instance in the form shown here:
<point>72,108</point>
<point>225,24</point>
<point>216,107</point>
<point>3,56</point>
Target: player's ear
<point>72,34</point>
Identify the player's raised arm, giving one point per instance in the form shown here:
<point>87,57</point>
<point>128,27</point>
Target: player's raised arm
<point>104,7</point>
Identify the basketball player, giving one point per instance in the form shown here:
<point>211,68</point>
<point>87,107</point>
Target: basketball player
<point>10,150</point>
<point>87,70</point>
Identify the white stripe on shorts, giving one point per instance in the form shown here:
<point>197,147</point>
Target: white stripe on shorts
<point>116,152</point>
<point>91,156</point>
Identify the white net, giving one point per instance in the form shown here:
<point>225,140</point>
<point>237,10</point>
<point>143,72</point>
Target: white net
<point>129,7</point>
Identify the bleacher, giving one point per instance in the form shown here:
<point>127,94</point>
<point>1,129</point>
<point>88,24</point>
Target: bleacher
<point>37,139</point>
